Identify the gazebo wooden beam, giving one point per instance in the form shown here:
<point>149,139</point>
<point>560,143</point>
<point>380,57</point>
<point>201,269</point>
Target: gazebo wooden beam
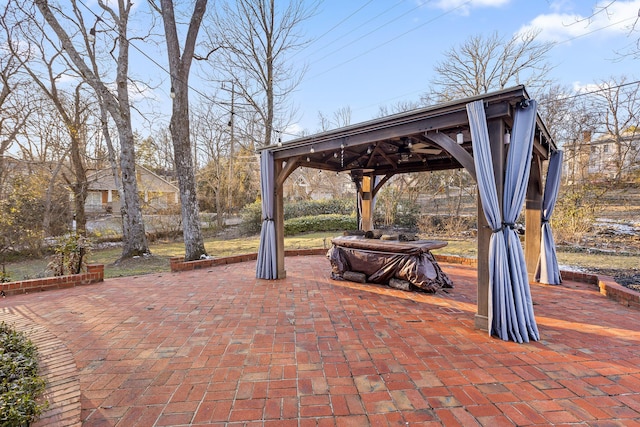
<point>533,217</point>
<point>453,148</point>
<point>288,168</point>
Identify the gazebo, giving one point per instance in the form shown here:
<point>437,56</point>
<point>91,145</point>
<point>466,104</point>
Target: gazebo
<point>498,138</point>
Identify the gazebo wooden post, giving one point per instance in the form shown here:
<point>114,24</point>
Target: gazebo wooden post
<point>533,215</point>
<point>367,199</point>
<point>496,130</point>
<point>278,218</point>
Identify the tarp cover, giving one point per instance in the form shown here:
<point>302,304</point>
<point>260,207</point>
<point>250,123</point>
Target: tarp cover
<point>416,265</point>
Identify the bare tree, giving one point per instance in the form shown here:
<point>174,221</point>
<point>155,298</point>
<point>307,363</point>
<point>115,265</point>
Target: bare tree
<point>398,107</point>
<point>340,118</point>
<point>41,61</point>
<point>618,104</point>
<point>483,64</point>
<point>116,104</point>
<point>606,8</point>
<point>570,119</point>
<point>14,111</point>
<point>208,132</point>
<point>179,68</point>
<point>257,36</point>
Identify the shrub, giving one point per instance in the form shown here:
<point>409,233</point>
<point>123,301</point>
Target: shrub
<point>576,212</point>
<point>327,222</point>
<point>251,218</point>
<point>450,225</point>
<point>20,385</point>
<point>318,207</point>
<point>397,213</point>
<point>252,213</point>
<point>70,255</point>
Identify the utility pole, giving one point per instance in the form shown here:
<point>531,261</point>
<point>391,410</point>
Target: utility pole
<point>231,125</point>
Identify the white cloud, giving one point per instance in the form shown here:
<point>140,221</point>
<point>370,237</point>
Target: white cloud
<point>579,87</point>
<point>464,6</point>
<point>617,18</point>
<point>294,129</point>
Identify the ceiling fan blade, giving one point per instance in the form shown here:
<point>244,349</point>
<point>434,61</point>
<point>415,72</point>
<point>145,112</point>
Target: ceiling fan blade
<point>419,145</point>
<point>432,151</point>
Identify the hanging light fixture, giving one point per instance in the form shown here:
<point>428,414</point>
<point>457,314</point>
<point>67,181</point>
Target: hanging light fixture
<point>507,137</point>
<point>460,137</point>
<point>172,94</point>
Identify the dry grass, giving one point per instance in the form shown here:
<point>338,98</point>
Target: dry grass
<point>162,251</point>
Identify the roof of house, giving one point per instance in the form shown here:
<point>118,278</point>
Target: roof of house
<point>149,181</point>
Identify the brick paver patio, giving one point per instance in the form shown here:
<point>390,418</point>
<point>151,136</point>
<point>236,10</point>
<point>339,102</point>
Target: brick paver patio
<point>219,347</point>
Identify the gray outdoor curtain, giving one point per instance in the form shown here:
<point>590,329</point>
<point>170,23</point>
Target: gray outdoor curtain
<point>267,267</point>
<point>548,270</point>
<point>510,305</point>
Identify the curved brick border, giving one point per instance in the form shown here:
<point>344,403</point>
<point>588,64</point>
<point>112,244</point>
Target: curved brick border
<point>58,367</point>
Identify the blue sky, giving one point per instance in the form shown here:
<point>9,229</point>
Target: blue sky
<point>380,52</point>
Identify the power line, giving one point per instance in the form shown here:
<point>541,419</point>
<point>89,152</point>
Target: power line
<point>603,89</point>
<point>366,34</point>
<point>155,62</point>
<point>335,26</point>
<point>393,39</point>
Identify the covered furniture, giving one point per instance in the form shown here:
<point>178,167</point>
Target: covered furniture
<point>383,260</point>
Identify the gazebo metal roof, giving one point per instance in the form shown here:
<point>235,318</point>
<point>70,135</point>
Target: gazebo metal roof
<point>413,141</point>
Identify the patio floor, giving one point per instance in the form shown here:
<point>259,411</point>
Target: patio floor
<point>219,347</point>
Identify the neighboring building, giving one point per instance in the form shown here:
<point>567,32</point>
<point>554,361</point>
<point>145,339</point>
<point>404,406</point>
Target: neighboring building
<point>603,158</point>
<point>156,193</point>
<point>304,184</point>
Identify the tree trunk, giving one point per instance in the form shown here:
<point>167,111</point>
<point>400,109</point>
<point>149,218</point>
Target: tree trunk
<point>132,222</point>
<point>179,66</point>
<point>136,243</point>
<point>135,240</point>
<point>193,241</point>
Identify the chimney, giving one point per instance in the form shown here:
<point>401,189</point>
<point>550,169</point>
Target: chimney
<point>586,136</point>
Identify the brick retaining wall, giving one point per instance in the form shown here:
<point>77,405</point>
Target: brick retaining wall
<point>94,274</point>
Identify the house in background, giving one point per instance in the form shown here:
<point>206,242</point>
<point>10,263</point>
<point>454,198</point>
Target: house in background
<point>603,158</point>
<point>156,193</point>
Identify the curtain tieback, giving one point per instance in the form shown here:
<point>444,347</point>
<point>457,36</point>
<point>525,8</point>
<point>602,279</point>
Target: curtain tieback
<point>504,225</point>
<point>267,219</point>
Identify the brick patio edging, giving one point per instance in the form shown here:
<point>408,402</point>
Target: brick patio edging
<point>94,274</point>
<point>179,264</point>
<point>58,368</point>
<point>606,284</point>
<point>608,287</point>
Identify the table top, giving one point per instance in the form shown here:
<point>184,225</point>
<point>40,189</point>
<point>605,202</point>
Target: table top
<point>396,246</point>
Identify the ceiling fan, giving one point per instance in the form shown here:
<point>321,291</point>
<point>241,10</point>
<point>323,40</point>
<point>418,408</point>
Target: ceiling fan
<point>423,148</point>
